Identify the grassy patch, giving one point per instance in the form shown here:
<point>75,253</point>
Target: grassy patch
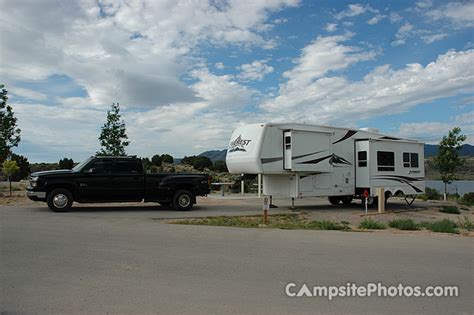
<point>370,224</point>
<point>450,209</point>
<point>404,224</point>
<point>466,224</point>
<point>442,226</point>
<point>277,221</point>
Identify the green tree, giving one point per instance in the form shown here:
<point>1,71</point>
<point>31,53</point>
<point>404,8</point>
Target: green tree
<point>157,160</point>
<point>146,163</point>
<point>113,138</point>
<point>199,162</point>
<point>166,158</point>
<point>9,132</point>
<point>24,166</point>
<point>448,159</point>
<point>9,168</point>
<point>66,164</point>
<point>220,166</point>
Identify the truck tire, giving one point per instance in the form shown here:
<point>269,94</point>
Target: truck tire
<point>60,200</point>
<point>334,200</point>
<point>183,200</point>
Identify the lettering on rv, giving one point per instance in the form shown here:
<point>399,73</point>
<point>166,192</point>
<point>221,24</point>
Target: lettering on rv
<point>239,144</point>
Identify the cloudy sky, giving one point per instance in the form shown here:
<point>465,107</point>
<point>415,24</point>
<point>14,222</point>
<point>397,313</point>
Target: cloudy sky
<point>186,73</point>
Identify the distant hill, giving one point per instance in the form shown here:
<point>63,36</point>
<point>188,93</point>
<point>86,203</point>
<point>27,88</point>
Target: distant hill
<point>215,155</point>
<point>430,151</point>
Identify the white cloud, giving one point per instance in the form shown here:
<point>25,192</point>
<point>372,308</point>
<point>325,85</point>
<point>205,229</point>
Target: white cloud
<point>424,4</point>
<point>331,27</point>
<point>433,38</point>
<point>384,91</point>
<point>323,55</point>
<point>27,93</point>
<point>351,11</point>
<point>461,14</point>
<point>376,19</point>
<point>395,17</point>
<point>433,131</point>
<point>256,70</point>
<point>280,21</point>
<point>219,65</point>
<point>136,52</point>
<point>405,31</point>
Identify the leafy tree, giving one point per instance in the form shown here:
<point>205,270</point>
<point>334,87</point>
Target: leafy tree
<point>24,166</point>
<point>448,159</point>
<point>66,164</point>
<point>9,168</point>
<point>166,158</point>
<point>157,160</point>
<point>113,138</point>
<point>199,162</point>
<point>146,163</point>
<point>9,133</point>
<point>220,166</point>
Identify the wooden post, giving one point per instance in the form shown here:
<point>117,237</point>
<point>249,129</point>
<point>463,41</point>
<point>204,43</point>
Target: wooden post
<point>381,197</point>
<point>242,185</point>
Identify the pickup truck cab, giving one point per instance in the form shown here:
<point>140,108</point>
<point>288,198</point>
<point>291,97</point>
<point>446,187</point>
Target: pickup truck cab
<point>115,179</point>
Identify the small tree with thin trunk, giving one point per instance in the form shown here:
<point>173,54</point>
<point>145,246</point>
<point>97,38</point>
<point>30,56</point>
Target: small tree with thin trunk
<point>113,138</point>
<point>9,132</point>
<point>9,168</point>
<point>448,160</point>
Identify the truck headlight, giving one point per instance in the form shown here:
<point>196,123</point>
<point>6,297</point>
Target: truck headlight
<point>34,181</point>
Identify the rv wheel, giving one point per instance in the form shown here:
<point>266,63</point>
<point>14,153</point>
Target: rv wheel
<point>347,200</point>
<point>334,200</point>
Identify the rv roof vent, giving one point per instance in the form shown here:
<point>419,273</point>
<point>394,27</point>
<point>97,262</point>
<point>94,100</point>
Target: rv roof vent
<point>375,130</point>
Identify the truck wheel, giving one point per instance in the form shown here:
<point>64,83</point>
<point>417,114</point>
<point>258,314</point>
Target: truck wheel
<point>60,200</point>
<point>334,200</point>
<point>183,200</point>
<point>347,200</point>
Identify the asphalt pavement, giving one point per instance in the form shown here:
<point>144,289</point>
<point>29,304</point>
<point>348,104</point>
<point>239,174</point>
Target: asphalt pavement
<point>130,260</point>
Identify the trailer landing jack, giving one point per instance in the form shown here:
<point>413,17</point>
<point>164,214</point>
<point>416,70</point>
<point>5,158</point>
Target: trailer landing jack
<point>410,202</point>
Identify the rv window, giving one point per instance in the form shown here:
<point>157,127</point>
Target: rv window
<point>385,161</point>
<point>287,140</point>
<point>410,159</point>
<point>362,158</point>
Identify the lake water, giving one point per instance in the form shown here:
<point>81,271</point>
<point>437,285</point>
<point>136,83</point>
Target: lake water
<point>459,186</point>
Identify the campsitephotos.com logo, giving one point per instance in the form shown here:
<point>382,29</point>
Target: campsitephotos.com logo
<point>238,144</point>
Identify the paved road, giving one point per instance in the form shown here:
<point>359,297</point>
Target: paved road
<point>96,260</point>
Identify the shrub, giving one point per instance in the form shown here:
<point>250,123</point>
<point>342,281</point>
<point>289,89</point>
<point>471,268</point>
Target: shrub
<point>404,224</point>
<point>450,209</point>
<point>432,194</point>
<point>442,226</point>
<point>327,225</point>
<point>466,224</point>
<point>467,199</point>
<point>371,225</point>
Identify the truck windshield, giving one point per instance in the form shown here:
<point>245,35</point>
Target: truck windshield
<point>79,166</point>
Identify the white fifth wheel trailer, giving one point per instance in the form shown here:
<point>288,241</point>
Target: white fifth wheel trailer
<point>300,160</point>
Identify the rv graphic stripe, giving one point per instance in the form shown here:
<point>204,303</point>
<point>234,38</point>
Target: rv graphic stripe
<point>316,161</point>
<point>304,155</point>
<point>270,160</point>
<point>401,179</point>
<point>349,134</point>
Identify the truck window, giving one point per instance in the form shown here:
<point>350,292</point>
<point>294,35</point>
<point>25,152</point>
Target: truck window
<point>127,167</point>
<point>385,161</point>
<point>362,158</point>
<point>410,159</point>
<point>100,167</point>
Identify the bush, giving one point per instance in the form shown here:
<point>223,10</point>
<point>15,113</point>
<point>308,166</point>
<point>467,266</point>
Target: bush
<point>467,199</point>
<point>466,224</point>
<point>327,225</point>
<point>404,224</point>
<point>450,209</point>
<point>442,226</point>
<point>370,224</point>
<point>430,194</point>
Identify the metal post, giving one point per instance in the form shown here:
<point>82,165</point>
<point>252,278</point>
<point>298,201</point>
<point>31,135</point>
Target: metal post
<point>242,185</point>
<point>222,190</point>
<point>292,203</point>
<point>259,185</point>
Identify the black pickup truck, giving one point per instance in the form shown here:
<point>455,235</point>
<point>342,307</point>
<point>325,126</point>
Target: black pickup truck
<point>115,179</point>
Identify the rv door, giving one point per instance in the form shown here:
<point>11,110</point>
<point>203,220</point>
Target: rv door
<point>287,149</point>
